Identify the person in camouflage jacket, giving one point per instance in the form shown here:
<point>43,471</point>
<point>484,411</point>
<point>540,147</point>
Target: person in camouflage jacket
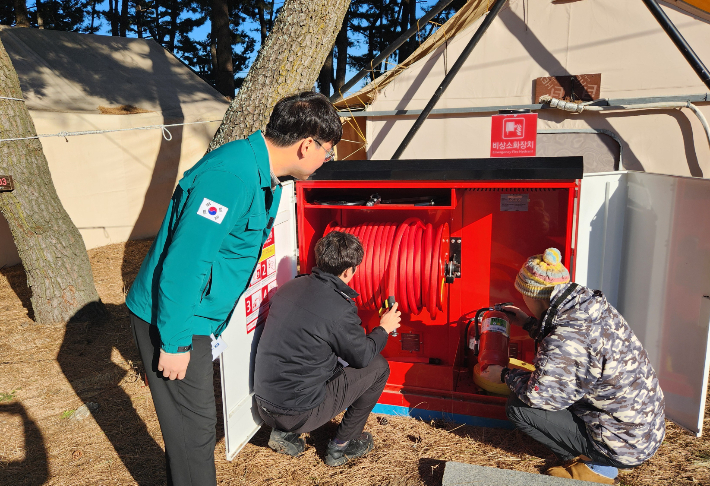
<point>594,392</point>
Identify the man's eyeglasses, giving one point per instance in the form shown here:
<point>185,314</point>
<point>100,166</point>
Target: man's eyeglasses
<point>329,154</point>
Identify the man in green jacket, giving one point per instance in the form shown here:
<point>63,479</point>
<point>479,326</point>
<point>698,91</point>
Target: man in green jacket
<point>201,262</point>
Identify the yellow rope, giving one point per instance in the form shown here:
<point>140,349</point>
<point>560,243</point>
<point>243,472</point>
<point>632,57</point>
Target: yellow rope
<point>353,153</point>
<point>356,127</point>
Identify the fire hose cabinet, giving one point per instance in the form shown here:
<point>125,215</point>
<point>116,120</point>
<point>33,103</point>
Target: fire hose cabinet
<point>445,238</point>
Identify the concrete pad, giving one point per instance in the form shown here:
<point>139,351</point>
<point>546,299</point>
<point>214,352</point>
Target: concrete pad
<point>459,474</point>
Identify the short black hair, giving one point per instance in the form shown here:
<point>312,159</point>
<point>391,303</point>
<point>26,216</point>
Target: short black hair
<point>302,115</point>
<point>337,251</point>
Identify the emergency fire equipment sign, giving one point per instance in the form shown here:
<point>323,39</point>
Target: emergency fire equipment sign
<point>514,135</point>
<point>262,286</point>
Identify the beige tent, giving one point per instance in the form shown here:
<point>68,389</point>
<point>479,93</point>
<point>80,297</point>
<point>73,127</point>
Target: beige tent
<point>621,40</point>
<point>114,185</point>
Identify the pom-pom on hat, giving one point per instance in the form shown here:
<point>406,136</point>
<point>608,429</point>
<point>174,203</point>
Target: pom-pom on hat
<point>541,273</point>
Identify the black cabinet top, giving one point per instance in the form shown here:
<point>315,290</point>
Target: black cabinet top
<point>511,168</point>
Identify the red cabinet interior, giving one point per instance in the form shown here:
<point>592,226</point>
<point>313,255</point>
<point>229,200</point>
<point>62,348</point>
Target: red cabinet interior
<point>499,224</point>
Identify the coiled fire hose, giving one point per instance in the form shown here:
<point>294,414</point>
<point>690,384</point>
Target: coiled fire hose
<point>405,260</point>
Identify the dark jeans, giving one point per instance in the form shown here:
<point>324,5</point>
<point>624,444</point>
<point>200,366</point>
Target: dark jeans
<point>355,389</point>
<point>561,431</point>
<point>185,408</point>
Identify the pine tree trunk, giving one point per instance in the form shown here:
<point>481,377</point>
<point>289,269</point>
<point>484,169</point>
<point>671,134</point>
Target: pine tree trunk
<point>289,61</point>
<point>412,42</point>
<point>123,29</point>
<point>263,28</point>
<point>40,18</point>
<point>341,44</point>
<point>21,18</point>
<point>403,26</point>
<point>325,78</point>
<point>113,13</point>
<point>51,248</point>
<point>222,36</point>
<point>174,14</point>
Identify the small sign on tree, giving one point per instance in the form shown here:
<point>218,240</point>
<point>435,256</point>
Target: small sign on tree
<point>6,183</point>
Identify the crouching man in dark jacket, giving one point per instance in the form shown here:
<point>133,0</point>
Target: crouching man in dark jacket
<point>299,382</point>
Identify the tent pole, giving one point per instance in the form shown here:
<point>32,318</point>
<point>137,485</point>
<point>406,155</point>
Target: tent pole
<point>679,41</point>
<point>492,13</point>
<point>392,47</point>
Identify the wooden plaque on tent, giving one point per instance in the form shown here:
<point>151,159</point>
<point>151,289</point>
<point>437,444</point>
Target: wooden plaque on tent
<point>582,87</point>
<point>6,183</point>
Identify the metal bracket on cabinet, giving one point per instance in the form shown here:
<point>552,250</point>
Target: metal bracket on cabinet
<point>453,266</point>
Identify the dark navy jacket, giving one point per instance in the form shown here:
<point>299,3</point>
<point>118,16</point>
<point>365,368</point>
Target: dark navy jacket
<point>312,321</point>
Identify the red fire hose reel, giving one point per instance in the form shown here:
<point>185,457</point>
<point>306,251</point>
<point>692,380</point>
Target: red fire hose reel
<point>407,260</point>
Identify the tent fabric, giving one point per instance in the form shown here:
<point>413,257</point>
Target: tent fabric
<point>115,186</point>
<point>528,40</point>
<point>466,15</point>
<point>77,73</point>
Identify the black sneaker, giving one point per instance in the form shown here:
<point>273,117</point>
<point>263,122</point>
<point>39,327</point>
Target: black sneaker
<point>288,443</point>
<point>336,456</point>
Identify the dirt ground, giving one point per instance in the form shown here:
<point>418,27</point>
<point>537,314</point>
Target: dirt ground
<point>48,372</point>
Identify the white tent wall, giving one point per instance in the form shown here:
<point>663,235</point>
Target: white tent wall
<point>532,39</point>
<point>115,186</point>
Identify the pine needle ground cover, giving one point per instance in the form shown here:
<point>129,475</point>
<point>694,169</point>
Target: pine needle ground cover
<point>52,376</point>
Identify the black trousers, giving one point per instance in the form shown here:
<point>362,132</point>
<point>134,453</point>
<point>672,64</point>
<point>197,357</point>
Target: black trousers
<point>186,408</point>
<point>355,389</point>
<point>561,431</point>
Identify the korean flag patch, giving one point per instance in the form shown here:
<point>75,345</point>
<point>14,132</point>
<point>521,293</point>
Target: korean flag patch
<point>212,211</point>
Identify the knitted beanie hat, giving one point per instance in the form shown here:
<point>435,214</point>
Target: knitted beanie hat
<point>541,273</point>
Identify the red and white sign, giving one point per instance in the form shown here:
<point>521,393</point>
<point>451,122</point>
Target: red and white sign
<point>514,135</point>
<point>256,303</point>
<point>262,286</point>
<point>267,262</point>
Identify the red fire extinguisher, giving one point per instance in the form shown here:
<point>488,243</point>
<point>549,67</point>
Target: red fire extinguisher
<point>488,337</point>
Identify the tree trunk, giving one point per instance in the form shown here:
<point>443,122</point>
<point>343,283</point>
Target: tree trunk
<point>325,78</point>
<point>124,18</point>
<point>51,248</point>
<point>139,20</point>
<point>341,44</point>
<point>158,33</point>
<point>412,42</point>
<point>289,61</point>
<point>113,13</point>
<point>213,56</point>
<point>403,26</point>
<point>174,14</point>
<point>21,18</point>
<point>222,35</point>
<point>263,28</point>
<point>40,19</point>
<point>271,15</point>
<point>93,16</point>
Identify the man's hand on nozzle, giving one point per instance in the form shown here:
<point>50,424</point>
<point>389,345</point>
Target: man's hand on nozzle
<point>173,366</point>
<point>390,319</point>
<point>519,318</point>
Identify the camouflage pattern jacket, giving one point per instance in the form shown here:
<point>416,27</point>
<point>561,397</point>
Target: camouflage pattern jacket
<point>590,361</point>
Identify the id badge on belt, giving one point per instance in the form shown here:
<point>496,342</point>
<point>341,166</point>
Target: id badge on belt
<point>218,346</point>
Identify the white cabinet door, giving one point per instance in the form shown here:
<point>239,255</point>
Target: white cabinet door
<point>654,231</point>
<point>600,232</point>
<point>277,266</point>
<point>665,283</point>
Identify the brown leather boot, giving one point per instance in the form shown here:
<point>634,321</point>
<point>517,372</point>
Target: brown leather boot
<point>561,470</point>
<point>579,470</point>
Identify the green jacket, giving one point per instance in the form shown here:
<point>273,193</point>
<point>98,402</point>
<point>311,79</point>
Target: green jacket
<point>208,246</point>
